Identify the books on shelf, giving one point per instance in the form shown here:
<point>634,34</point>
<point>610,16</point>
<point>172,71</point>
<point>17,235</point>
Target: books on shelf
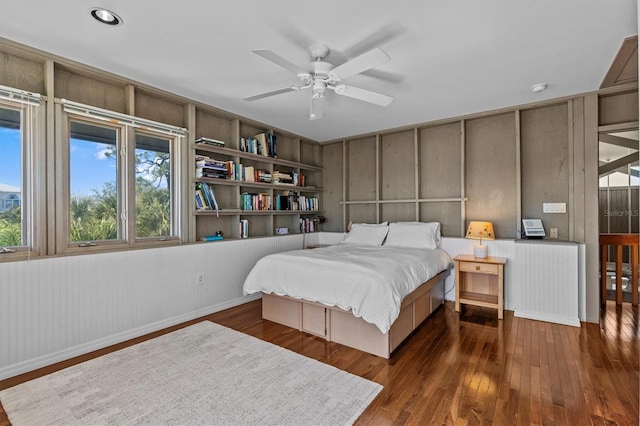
<point>206,198</point>
<point>243,228</point>
<point>263,176</point>
<point>210,141</point>
<point>282,178</point>
<point>307,224</point>
<point>288,200</point>
<point>211,168</point>
<point>252,201</point>
<point>264,144</point>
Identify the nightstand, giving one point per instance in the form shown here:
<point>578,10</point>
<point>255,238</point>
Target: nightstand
<point>480,282</point>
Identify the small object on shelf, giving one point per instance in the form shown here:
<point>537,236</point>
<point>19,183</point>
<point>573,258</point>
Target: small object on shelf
<point>243,231</point>
<point>211,238</point>
<point>210,141</point>
<point>308,224</point>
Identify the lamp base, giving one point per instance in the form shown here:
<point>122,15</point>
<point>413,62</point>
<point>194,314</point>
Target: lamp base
<point>479,251</point>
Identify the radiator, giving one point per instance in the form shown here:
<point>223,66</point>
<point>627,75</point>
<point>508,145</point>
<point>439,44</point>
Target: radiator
<point>547,279</point>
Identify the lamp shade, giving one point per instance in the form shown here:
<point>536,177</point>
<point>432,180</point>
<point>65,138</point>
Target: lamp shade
<point>480,231</point>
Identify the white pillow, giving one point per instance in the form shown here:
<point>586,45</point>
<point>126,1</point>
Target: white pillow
<point>414,235</point>
<point>366,234</point>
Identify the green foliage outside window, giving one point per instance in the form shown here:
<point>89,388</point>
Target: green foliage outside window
<point>93,217</point>
<point>10,228</point>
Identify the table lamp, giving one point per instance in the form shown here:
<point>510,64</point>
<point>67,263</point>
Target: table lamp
<point>480,231</point>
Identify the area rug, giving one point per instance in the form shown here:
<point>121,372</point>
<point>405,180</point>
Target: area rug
<point>200,375</point>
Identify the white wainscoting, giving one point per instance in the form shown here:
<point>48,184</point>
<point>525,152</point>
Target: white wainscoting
<point>547,280</point>
<point>543,280</point>
<point>55,308</point>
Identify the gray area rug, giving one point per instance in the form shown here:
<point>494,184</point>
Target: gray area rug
<point>202,374</point>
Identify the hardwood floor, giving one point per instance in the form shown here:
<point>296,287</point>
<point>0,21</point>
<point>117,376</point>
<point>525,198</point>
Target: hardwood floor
<point>470,368</point>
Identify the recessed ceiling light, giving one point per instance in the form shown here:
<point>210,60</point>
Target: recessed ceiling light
<point>106,16</point>
<point>540,87</point>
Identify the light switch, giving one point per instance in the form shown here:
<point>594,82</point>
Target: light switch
<point>554,207</point>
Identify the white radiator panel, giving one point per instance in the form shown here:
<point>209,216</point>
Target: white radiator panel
<point>55,308</point>
<point>547,277</point>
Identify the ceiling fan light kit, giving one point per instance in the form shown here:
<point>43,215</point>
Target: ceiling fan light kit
<point>321,75</point>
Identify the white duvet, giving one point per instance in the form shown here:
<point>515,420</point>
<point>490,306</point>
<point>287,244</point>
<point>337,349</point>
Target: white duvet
<point>370,281</point>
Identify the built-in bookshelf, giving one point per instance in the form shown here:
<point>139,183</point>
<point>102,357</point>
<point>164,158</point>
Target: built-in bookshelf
<point>256,178</point>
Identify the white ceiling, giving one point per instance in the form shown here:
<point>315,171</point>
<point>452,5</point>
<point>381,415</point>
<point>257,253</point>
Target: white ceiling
<point>448,58</point>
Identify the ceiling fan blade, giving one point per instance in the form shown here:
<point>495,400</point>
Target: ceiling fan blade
<point>363,95</point>
<point>272,93</point>
<point>361,63</point>
<point>378,38</point>
<point>279,60</point>
<point>317,107</point>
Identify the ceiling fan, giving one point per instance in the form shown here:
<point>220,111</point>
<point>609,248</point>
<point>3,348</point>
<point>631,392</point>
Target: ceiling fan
<point>320,76</point>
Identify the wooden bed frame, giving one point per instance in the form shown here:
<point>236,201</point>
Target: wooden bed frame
<point>341,326</point>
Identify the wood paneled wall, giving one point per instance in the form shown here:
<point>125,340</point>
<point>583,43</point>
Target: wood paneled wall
<point>499,166</point>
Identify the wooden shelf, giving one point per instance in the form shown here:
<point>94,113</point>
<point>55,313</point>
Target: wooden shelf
<point>259,158</point>
<point>233,212</point>
<point>479,299</point>
<point>248,184</point>
<point>295,156</point>
<point>480,282</point>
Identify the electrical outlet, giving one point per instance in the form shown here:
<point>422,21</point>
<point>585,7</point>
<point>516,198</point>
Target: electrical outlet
<point>553,232</point>
<point>200,278</point>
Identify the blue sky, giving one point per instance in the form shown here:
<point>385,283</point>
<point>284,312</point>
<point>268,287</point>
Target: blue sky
<point>10,157</point>
<point>91,167</point>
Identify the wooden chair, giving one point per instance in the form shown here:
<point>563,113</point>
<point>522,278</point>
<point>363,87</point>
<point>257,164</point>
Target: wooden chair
<point>619,241</point>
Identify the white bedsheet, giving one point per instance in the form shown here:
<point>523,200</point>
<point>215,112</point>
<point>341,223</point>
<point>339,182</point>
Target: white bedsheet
<point>371,281</point>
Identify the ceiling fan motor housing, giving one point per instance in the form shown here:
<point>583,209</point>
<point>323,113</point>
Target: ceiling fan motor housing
<point>319,51</point>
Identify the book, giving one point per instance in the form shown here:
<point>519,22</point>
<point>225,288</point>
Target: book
<point>211,238</point>
<point>210,141</point>
<point>243,228</point>
<point>214,202</point>
<point>200,203</point>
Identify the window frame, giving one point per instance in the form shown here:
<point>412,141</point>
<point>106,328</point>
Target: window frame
<point>32,108</point>
<point>127,127</point>
<point>174,193</point>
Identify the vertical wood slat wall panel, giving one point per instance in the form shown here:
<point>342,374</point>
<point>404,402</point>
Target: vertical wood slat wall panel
<point>56,308</point>
<point>490,172</point>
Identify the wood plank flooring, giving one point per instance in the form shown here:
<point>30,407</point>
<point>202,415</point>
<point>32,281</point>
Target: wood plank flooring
<point>470,368</point>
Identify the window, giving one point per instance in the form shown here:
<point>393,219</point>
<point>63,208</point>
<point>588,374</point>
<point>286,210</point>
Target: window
<point>18,174</point>
<point>153,186</point>
<point>117,182</point>
<point>11,202</point>
<point>10,178</point>
<point>93,165</point>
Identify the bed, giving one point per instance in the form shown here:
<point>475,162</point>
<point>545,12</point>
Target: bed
<point>360,293</point>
